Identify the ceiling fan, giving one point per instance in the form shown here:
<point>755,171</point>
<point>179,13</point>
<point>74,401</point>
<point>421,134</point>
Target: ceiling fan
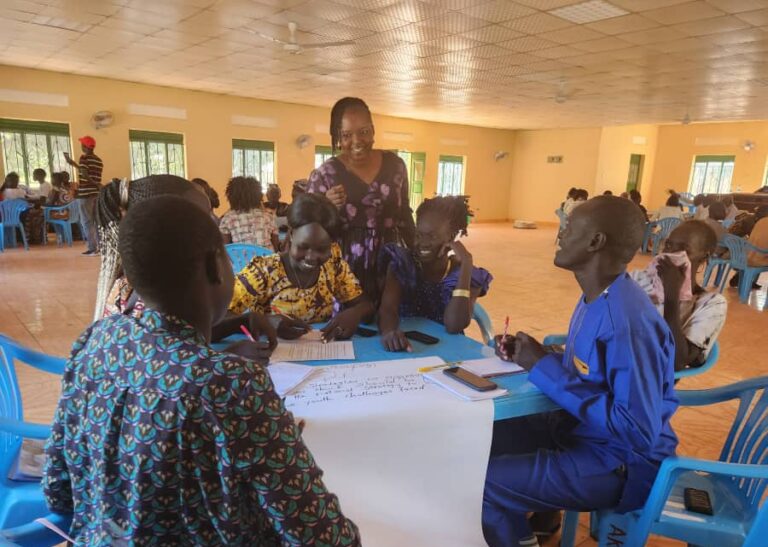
<point>563,94</point>
<point>295,48</point>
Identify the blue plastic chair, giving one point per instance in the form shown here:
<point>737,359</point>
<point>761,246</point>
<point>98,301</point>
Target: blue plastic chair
<point>649,226</point>
<point>655,238</point>
<point>2,235</point>
<point>34,534</point>
<point>63,227</point>
<point>20,502</point>
<point>714,355</point>
<point>718,264</point>
<point>735,483</point>
<point>739,248</point>
<point>10,216</point>
<point>484,322</point>
<point>240,254</point>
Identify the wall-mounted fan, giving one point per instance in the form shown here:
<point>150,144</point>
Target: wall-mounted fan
<point>293,47</point>
<point>302,141</point>
<point>102,119</point>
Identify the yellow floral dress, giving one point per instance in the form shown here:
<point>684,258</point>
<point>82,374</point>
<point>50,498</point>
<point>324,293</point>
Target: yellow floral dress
<point>263,286</point>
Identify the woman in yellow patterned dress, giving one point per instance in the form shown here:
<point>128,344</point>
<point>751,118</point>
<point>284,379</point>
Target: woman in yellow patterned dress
<point>308,282</point>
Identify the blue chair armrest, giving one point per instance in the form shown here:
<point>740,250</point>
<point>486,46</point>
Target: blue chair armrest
<point>714,353</point>
<point>700,397</point>
<point>756,249</point>
<point>25,429</point>
<point>555,339</point>
<point>34,533</point>
<point>36,359</point>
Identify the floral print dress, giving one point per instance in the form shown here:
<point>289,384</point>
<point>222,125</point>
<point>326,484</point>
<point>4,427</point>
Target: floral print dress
<point>374,214</point>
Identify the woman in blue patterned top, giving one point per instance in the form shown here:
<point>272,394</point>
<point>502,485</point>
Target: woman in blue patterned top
<point>159,439</point>
<point>436,280</point>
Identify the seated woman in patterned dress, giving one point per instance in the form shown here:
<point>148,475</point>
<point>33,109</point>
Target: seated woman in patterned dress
<point>304,284</point>
<point>428,282</point>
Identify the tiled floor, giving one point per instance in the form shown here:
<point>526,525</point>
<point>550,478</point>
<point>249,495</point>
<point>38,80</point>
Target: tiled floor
<point>47,297</point>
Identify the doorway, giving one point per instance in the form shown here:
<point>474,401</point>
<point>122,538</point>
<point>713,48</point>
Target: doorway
<point>635,176</point>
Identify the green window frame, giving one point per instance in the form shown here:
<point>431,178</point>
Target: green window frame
<point>29,145</point>
<point>254,159</point>
<point>156,153</point>
<point>711,175</point>
<point>450,176</point>
<point>322,154</point>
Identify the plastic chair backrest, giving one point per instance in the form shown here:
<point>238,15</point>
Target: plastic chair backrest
<point>10,398</point>
<point>747,442</point>
<point>240,254</point>
<point>10,211</point>
<point>71,207</point>
<point>737,248</point>
<point>666,225</point>
<point>484,322</point>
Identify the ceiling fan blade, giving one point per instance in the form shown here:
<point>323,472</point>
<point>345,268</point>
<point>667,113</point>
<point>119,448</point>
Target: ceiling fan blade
<point>270,38</point>
<point>328,44</point>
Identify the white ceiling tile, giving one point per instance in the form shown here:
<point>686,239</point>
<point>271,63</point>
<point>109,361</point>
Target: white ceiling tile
<point>528,43</point>
<point>374,22</point>
<point>412,11</point>
<point>711,26</point>
<point>609,43</point>
<point>738,6</point>
<point>682,13</point>
<point>626,23</point>
<point>645,5</point>
<point>492,34</point>
<point>573,34</point>
<point>537,23</point>
<point>756,18</point>
<point>545,5</point>
<point>660,34</point>
<point>497,11</point>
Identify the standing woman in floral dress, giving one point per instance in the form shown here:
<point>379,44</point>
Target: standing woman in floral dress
<point>369,187</point>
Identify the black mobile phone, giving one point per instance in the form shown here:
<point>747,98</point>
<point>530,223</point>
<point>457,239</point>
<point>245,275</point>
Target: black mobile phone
<point>474,381</point>
<point>365,333</point>
<point>421,337</point>
<point>697,501</point>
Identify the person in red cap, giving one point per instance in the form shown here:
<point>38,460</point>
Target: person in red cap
<point>89,170</point>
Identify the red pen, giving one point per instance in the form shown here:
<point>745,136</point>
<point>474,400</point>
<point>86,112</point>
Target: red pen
<point>506,330</point>
<point>247,333</point>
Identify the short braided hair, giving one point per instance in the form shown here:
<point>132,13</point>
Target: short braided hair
<point>454,209</point>
<point>337,113</point>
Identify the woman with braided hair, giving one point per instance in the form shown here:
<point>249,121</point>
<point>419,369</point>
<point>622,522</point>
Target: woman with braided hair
<point>114,294</point>
<point>370,189</point>
<point>437,279</point>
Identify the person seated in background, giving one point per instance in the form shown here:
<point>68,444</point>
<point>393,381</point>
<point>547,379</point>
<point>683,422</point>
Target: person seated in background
<point>279,208</point>
<point>44,187</point>
<point>758,237</point>
<point>247,221</point>
<point>302,284</point>
<point>715,216</point>
<point>579,196</point>
<point>273,203</point>
<point>10,188</point>
<point>671,209</point>
<point>614,383</point>
<point>702,211</point>
<point>745,221</point>
<point>637,199</point>
<point>731,211</point>
<point>211,194</point>
<point>61,193</point>
<point>568,198</point>
<point>299,187</point>
<point>694,315</point>
<point>159,439</point>
<point>607,193</point>
<point>428,281</point>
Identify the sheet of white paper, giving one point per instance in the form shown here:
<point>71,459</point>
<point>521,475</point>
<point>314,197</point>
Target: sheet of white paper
<point>286,376</point>
<point>301,350</point>
<point>406,458</point>
<point>460,390</point>
<point>491,366</point>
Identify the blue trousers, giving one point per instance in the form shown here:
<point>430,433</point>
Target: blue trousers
<point>87,208</point>
<point>532,469</point>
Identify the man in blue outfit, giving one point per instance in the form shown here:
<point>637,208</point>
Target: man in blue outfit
<point>615,384</point>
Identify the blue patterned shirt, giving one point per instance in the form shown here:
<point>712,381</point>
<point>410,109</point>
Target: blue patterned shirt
<point>160,440</point>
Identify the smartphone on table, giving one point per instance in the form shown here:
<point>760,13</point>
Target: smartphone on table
<point>365,333</point>
<point>421,337</point>
<point>478,383</point>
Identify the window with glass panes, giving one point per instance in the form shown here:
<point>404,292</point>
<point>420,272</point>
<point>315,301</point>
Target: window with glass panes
<point>711,175</point>
<point>31,145</point>
<point>254,159</point>
<point>322,154</point>
<point>155,153</point>
<point>450,176</point>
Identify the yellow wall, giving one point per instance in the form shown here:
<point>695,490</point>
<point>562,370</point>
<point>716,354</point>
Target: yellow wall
<point>677,148</point>
<point>617,144</point>
<point>539,187</point>
<point>208,132</point>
